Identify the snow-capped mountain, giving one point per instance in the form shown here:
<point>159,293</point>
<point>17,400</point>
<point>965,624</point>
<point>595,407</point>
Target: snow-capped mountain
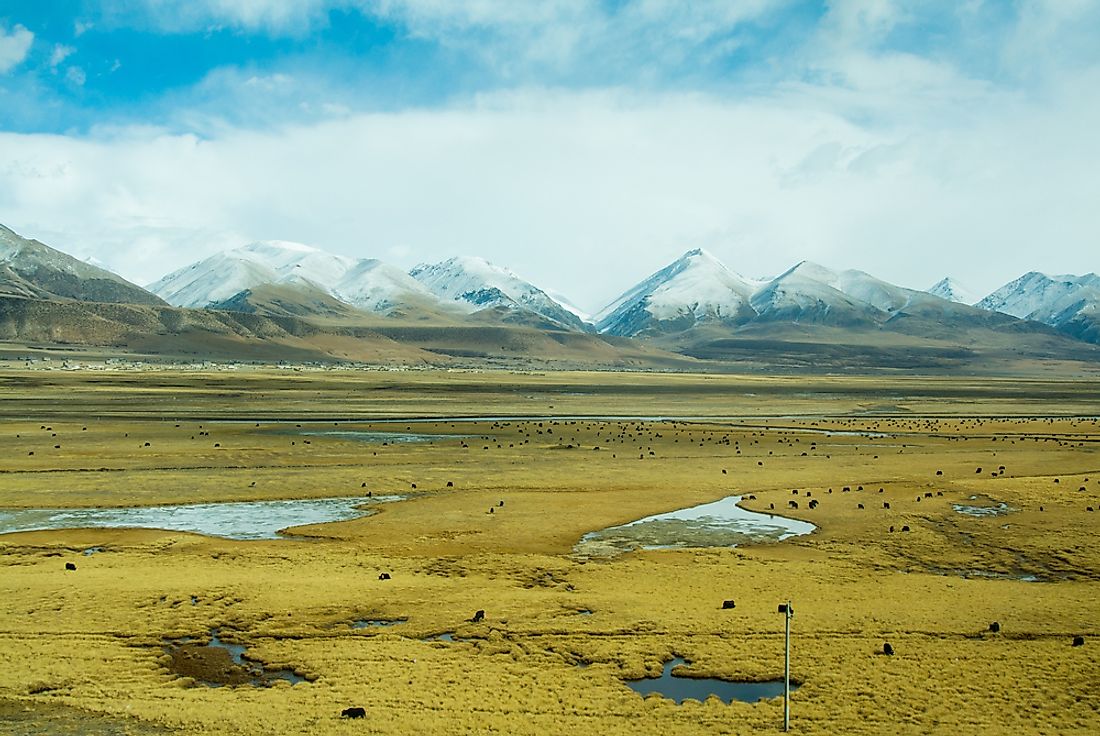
<point>1070,303</point>
<point>379,287</point>
<point>477,284</point>
<point>368,284</point>
<point>811,293</point>
<point>1043,298</point>
<point>693,289</point>
<point>33,270</point>
<point>223,275</point>
<point>697,289</point>
<point>951,290</point>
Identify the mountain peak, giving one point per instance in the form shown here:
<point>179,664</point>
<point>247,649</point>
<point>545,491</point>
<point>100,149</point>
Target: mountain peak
<point>1054,300</point>
<point>694,288</point>
<point>811,270</point>
<point>951,290</point>
<point>33,269</point>
<point>477,284</point>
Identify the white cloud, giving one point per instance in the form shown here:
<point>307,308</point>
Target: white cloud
<point>76,76</point>
<point>591,191</point>
<point>60,53</point>
<point>510,34</point>
<point>14,47</point>
<point>291,17</point>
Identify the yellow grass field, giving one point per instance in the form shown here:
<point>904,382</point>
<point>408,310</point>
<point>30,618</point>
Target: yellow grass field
<point>90,651</point>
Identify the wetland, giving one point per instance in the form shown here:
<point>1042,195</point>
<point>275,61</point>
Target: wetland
<point>466,608</point>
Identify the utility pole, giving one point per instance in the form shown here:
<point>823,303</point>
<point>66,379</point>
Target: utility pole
<point>788,612</point>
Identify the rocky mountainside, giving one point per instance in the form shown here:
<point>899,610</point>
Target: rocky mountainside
<point>1069,303</point>
<point>34,270</point>
<point>476,284</point>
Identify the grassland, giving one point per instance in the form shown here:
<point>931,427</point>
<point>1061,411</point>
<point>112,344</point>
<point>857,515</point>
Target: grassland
<point>85,651</point>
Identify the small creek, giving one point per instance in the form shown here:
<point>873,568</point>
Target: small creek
<point>236,520</point>
<point>718,524</point>
<point>679,688</point>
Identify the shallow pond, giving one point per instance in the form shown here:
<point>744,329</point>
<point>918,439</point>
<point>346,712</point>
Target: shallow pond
<point>237,520</point>
<point>983,506</point>
<point>680,689</point>
<point>370,623</point>
<point>221,663</point>
<point>718,524</point>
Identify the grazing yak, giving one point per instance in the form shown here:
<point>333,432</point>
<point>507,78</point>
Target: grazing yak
<point>354,712</point>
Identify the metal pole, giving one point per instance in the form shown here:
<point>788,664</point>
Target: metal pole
<point>787,673</point>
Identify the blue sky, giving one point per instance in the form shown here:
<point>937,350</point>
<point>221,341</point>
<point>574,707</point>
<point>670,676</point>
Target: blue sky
<point>147,62</point>
<point>583,143</point>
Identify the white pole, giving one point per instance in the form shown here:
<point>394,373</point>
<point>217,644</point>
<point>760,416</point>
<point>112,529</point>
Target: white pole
<point>787,673</point>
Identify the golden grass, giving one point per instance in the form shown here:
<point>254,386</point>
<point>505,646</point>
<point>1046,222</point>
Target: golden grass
<point>94,639</point>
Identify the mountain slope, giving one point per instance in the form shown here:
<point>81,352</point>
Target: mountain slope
<point>286,299</point>
<point>1048,299</point>
<point>1069,303</point>
<point>257,276</point>
<point>951,290</point>
<point>223,275</point>
<point>694,289</point>
<point>477,284</point>
<point>809,293</point>
<point>34,270</point>
<point>379,287</point>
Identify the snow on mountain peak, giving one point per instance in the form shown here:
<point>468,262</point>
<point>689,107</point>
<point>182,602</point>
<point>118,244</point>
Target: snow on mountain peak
<point>695,287</point>
<point>951,290</point>
<point>477,284</point>
<point>226,274</point>
<point>379,287</point>
<point>1049,299</point>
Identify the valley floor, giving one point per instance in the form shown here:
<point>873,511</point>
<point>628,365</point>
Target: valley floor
<point>100,649</point>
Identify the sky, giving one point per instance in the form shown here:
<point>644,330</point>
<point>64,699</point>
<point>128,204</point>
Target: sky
<point>582,143</point>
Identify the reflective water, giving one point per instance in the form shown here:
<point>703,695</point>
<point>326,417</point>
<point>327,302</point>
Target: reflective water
<point>680,689</point>
<point>386,437</point>
<point>986,506</point>
<point>369,623</point>
<point>258,675</point>
<point>237,520</point>
<point>718,524</point>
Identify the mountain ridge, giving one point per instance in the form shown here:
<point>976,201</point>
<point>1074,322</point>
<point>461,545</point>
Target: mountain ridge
<point>32,269</point>
<point>694,306</point>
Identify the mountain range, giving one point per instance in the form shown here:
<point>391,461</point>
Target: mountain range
<point>695,307</point>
